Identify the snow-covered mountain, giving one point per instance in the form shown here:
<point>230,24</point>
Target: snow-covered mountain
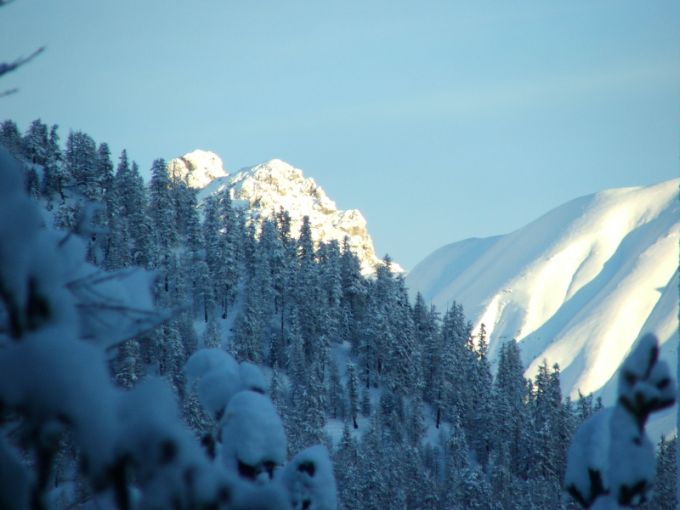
<point>266,187</point>
<point>198,168</point>
<point>577,287</point>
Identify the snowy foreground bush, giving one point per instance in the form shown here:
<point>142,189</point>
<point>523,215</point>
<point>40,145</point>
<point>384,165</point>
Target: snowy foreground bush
<point>611,462</point>
<point>126,449</point>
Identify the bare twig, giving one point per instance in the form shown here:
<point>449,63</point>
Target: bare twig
<point>9,92</point>
<point>100,276</point>
<point>115,308</point>
<point>7,67</point>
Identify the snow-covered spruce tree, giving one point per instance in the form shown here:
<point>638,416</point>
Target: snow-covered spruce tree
<point>212,243</point>
<point>403,358</point>
<point>249,438</point>
<point>664,496</point>
<point>252,328</point>
<point>335,399</point>
<point>35,143</point>
<point>346,458</point>
<point>117,251</point>
<point>59,314</point>
<point>196,272</point>
<point>353,294</point>
<point>331,282</point>
<point>510,397</point>
<point>481,416</point>
<point>549,438</point>
<point>161,207</point>
<point>353,393</point>
<point>611,459</point>
<point>10,137</point>
<point>80,161</point>
<point>230,242</point>
<point>131,198</point>
<point>102,216</point>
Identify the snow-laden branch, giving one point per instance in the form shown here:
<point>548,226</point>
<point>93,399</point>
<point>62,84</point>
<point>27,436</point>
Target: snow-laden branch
<point>611,461</point>
<point>8,67</point>
<point>131,445</point>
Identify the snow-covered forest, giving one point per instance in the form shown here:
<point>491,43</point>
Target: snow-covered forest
<point>159,352</point>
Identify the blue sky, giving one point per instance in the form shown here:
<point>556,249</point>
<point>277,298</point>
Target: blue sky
<point>439,120</point>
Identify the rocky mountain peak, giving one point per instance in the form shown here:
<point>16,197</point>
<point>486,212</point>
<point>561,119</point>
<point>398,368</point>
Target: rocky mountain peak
<point>197,168</point>
<point>265,188</point>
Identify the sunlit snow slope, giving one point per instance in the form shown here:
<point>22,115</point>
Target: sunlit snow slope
<point>267,187</point>
<point>577,287</point>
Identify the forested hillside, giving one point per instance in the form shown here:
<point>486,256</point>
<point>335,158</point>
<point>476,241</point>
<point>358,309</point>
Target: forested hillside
<point>401,394</point>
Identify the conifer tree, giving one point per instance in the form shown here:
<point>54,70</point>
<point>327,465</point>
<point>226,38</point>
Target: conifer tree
<point>140,223</point>
<point>296,363</point>
<point>81,165</point>
<point>331,282</point>
<point>666,483</point>
<point>510,397</point>
<point>161,207</point>
<point>101,220</point>
<point>200,291</point>
<point>253,326</point>
<point>248,255</point>
<point>353,294</point>
<point>211,336</point>
<point>11,139</point>
<point>131,208</point>
<point>374,339</point>
<point>481,420</point>
<point>459,363</point>
<point>548,441</point>
<point>403,353</point>
<point>415,421</point>
<point>429,338</point>
<point>584,407</point>
<point>212,247</point>
<point>36,143</point>
<point>126,365</point>
<point>308,294</point>
<point>104,170</point>
<point>353,393</point>
<point>231,241</point>
<point>248,331</point>
<point>335,399</point>
<point>171,352</point>
<point>346,459</point>
<point>373,467</point>
<point>52,171</point>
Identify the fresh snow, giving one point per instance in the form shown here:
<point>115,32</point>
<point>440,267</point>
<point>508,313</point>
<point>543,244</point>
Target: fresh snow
<point>578,286</point>
<point>589,451</point>
<point>310,481</point>
<point>252,433</point>
<point>204,361</point>
<point>611,456</point>
<point>198,168</point>
<point>252,378</point>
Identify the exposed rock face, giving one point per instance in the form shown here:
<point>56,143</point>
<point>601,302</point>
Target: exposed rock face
<point>267,187</point>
